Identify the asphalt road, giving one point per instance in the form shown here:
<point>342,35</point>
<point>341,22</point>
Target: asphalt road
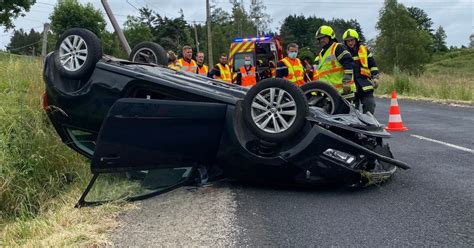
<point>430,205</point>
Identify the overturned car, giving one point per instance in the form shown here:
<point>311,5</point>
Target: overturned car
<point>147,120</point>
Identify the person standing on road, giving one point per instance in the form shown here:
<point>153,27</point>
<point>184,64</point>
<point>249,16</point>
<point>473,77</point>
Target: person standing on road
<point>187,62</point>
<point>222,70</point>
<point>365,71</point>
<point>334,64</point>
<point>201,69</point>
<point>247,75</point>
<point>290,67</point>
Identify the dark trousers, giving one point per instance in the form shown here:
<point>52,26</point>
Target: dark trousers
<point>366,99</point>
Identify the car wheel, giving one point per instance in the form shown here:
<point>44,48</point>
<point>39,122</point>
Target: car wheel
<point>324,96</point>
<point>77,52</point>
<point>275,110</point>
<point>149,52</point>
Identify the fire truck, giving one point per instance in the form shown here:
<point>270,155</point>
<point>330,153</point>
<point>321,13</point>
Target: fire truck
<point>262,50</point>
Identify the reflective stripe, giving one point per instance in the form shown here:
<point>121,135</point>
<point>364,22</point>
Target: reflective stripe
<point>342,54</point>
<point>370,87</point>
<point>374,69</point>
<point>187,67</point>
<point>395,118</point>
<point>333,70</point>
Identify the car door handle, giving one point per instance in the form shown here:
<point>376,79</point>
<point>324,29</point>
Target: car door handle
<point>109,160</point>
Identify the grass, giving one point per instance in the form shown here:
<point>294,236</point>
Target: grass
<point>449,77</point>
<point>40,178</point>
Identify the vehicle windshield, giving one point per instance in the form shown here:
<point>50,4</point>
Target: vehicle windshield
<point>239,60</point>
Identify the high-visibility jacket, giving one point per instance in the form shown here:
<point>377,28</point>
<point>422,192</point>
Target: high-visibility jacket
<point>364,62</point>
<point>295,70</point>
<point>187,66</point>
<point>225,73</point>
<point>329,69</point>
<point>249,78</point>
<point>203,70</point>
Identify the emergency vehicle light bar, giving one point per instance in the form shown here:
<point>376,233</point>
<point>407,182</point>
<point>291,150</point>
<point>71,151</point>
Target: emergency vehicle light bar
<point>252,39</point>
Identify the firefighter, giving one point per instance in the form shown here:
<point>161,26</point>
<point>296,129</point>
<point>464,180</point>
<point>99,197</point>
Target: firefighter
<point>173,61</point>
<point>290,67</point>
<point>272,66</point>
<point>247,75</point>
<point>187,62</point>
<point>222,70</point>
<point>334,64</point>
<point>365,71</point>
<point>201,69</point>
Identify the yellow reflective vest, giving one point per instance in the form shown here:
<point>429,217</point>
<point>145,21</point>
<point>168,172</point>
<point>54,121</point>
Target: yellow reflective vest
<point>225,73</point>
<point>331,71</point>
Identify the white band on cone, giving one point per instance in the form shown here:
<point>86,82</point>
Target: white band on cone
<point>395,118</point>
<point>393,102</point>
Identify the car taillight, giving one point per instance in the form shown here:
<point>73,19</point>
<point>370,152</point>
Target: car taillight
<point>44,102</point>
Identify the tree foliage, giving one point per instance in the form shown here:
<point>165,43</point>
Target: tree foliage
<point>25,43</point>
<point>439,40</point>
<point>301,30</point>
<point>423,21</point>
<point>400,44</point>
<point>71,14</point>
<point>11,9</point>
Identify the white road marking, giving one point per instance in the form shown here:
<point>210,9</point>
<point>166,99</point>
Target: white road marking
<point>444,143</point>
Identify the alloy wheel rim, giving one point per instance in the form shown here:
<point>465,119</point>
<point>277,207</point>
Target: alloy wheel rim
<point>73,52</point>
<point>320,99</point>
<point>145,55</point>
<point>273,110</point>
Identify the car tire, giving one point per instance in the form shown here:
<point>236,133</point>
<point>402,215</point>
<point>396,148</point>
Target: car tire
<point>149,52</point>
<point>276,120</point>
<point>325,96</point>
<point>77,52</point>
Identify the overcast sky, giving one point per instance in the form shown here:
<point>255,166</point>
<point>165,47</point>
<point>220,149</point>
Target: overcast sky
<point>456,16</point>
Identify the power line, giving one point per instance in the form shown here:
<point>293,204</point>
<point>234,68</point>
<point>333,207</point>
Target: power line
<point>18,48</point>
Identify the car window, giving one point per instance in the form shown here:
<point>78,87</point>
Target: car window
<point>135,185</point>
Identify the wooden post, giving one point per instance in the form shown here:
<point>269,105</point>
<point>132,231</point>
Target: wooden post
<point>44,49</point>
<point>209,35</point>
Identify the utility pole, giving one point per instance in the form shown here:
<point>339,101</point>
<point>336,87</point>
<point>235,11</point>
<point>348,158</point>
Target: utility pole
<point>44,49</point>
<point>117,28</point>
<point>209,34</point>
<point>196,37</point>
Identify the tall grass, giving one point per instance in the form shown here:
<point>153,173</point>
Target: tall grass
<point>435,84</point>
<point>41,178</point>
<point>35,165</point>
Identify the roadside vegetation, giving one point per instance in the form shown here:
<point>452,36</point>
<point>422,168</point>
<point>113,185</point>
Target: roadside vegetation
<point>449,77</point>
<point>40,178</point>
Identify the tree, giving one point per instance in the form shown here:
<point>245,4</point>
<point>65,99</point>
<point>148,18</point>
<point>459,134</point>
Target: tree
<point>400,44</point>
<point>471,45</point>
<point>71,14</point>
<point>10,10</point>
<point>423,22</point>
<point>302,30</point>
<point>439,43</point>
<point>257,13</point>
<point>25,43</point>
<point>137,31</point>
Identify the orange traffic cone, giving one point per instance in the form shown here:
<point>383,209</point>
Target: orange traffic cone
<point>395,122</point>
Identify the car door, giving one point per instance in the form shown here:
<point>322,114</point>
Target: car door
<point>146,147</point>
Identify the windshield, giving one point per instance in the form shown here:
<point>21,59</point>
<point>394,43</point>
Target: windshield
<point>239,60</point>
